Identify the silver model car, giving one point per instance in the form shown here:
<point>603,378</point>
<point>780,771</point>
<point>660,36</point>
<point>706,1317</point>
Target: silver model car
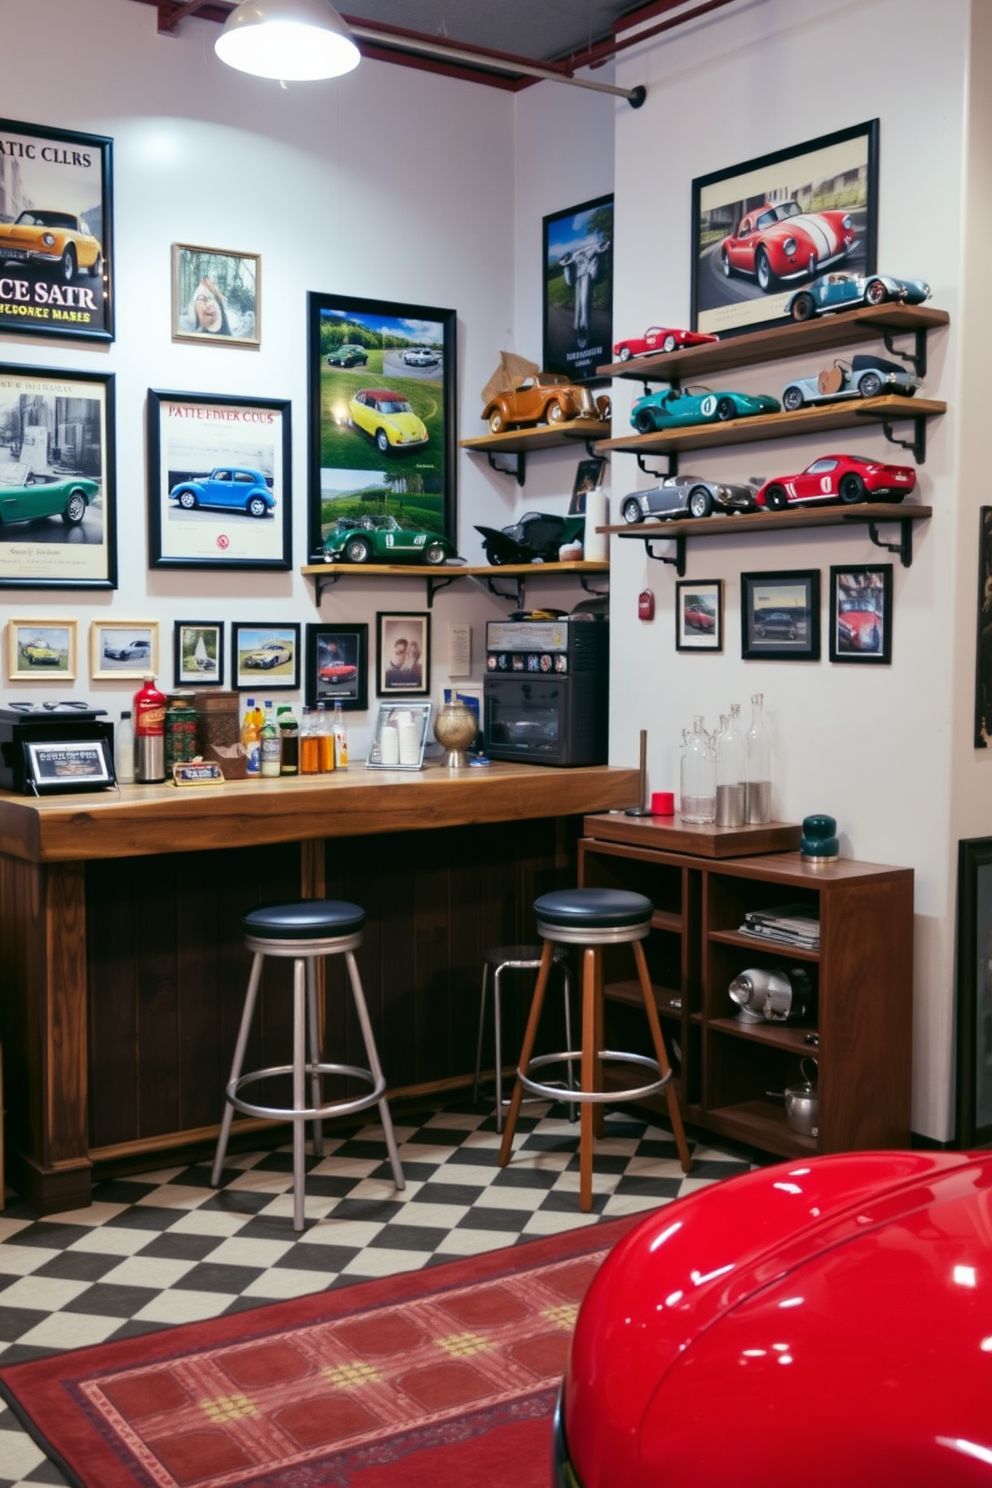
<point>866,376</point>
<point>689,496</point>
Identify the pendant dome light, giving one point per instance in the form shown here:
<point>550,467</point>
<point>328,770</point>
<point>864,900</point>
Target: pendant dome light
<point>291,40</point>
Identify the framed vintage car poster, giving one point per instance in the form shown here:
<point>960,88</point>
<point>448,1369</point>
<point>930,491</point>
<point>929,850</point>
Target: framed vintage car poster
<point>57,479</point>
<point>780,616</point>
<point>763,230</point>
<point>577,270</point>
<point>337,666</point>
<point>218,481</point>
<point>56,232</point>
<point>382,417</point>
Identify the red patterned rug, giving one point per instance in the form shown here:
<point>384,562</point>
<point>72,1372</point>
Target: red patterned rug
<point>443,1378</point>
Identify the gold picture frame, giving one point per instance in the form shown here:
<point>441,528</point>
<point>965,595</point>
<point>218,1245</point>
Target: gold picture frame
<point>216,296</point>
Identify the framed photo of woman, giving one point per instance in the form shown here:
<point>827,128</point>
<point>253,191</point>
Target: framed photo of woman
<point>216,296</point>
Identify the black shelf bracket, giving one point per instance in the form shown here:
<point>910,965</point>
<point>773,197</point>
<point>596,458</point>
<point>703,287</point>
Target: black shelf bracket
<point>519,469</point>
<point>918,359</point>
<point>324,581</point>
<point>679,558</point>
<point>917,445</point>
<point>672,467</point>
<point>435,584</point>
<point>592,589</point>
<point>519,594</point>
<point>904,547</point>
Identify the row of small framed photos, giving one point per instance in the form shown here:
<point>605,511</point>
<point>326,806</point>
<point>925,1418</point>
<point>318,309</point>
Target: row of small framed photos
<point>780,615</point>
<point>264,658</point>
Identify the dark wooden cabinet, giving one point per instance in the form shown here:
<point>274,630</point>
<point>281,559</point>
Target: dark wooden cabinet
<point>731,1073</point>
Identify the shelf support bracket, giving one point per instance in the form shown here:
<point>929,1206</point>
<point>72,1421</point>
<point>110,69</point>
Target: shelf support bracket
<point>591,589</point>
<point>918,443</point>
<point>678,559</point>
<point>672,467</point>
<point>435,584</point>
<point>325,581</point>
<point>519,469</point>
<point>918,359</point>
<point>904,547</point>
<point>519,594</point>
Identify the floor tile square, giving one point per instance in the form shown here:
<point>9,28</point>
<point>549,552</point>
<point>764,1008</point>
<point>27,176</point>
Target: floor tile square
<point>69,1330</point>
<point>386,1262</point>
<point>210,1221</point>
<point>208,1277</point>
<point>16,1260</point>
<point>173,1247</point>
<point>241,1250</point>
<point>120,1302</point>
<point>284,1282</point>
<point>152,1272</point>
<point>184,1306</point>
<point>312,1256</point>
<point>110,1240</point>
<point>78,1265</point>
<point>43,1293</point>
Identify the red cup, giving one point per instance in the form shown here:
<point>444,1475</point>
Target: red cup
<point>663,803</point>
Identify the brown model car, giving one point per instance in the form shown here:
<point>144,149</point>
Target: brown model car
<point>543,398</point>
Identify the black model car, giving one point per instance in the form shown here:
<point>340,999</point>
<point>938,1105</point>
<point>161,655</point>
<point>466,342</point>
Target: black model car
<point>536,538</point>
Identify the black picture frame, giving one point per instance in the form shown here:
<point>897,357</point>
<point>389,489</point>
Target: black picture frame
<point>699,614</point>
<point>590,475</point>
<point>348,647</point>
<point>263,677</point>
<point>983,643</point>
<point>61,426</point>
<point>65,179</point>
<point>368,342</point>
<point>198,653</point>
<point>834,172</point>
<point>861,613</point>
<point>973,1053</point>
<point>577,289</point>
<point>189,436</point>
<point>780,616</point>
<point>403,675</point>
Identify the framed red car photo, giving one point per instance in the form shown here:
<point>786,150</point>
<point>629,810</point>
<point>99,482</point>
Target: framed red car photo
<point>861,614</point>
<point>699,615</point>
<point>337,666</point>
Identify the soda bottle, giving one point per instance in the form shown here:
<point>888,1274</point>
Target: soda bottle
<point>251,741</point>
<point>340,731</point>
<point>269,745</point>
<point>149,732</point>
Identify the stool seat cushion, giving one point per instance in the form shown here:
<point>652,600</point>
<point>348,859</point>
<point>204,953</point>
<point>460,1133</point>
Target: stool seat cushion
<point>597,909</point>
<point>308,919</point>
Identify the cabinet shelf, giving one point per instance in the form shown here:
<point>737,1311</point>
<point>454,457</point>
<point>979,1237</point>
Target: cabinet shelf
<point>791,1037</point>
<point>768,947</point>
<point>520,442</point>
<point>759,1124</point>
<point>325,575</point>
<point>667,1000</point>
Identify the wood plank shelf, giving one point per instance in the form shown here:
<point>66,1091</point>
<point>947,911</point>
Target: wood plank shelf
<point>325,575</point>
<point>520,442</point>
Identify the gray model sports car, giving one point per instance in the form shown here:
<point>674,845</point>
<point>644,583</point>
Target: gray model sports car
<point>689,496</point>
<point>867,376</point>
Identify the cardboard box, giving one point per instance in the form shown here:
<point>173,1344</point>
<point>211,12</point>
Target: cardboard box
<point>218,731</point>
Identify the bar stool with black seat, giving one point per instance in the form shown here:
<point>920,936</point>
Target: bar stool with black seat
<point>592,919</point>
<point>305,931</point>
<point>494,963</point>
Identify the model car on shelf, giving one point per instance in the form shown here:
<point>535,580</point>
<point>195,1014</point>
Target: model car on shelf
<point>270,654</point>
<point>688,496</point>
<point>672,408</point>
<point>859,627</point>
<point>420,356</point>
<point>381,539</point>
<point>845,478</point>
<point>866,376</point>
<point>658,339</point>
<point>388,418</point>
<point>842,291</point>
<point>27,496</point>
<point>535,538</point>
<point>58,240</point>
<point>347,356</point>
<point>544,398</point>
<point>782,1295</point>
<point>779,241</point>
<point>231,487</point>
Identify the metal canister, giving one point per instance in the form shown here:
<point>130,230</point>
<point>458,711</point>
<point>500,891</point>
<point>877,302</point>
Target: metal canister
<point>180,730</point>
<point>149,732</point>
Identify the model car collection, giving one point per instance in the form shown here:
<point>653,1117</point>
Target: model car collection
<point>779,241</point>
<point>388,419</point>
<point>537,537</point>
<point>347,356</point>
<point>867,376</point>
<point>420,356</point>
<point>672,408</point>
<point>381,539</point>
<point>847,291</point>
<point>54,239</point>
<point>230,488</point>
<point>845,478</point>
<point>657,339</point>
<point>688,496</point>
<point>27,496</point>
<point>841,1301</point>
<point>544,398</point>
<point>265,657</point>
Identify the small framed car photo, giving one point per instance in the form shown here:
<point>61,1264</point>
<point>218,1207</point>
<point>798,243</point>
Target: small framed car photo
<point>699,615</point>
<point>41,649</point>
<point>861,614</point>
<point>123,648</point>
<point>337,666</point>
<point>265,658</point>
<point>780,616</point>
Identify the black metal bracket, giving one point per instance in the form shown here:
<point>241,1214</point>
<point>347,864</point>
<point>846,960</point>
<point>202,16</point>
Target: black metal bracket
<point>918,359</point>
<point>324,581</point>
<point>519,469</point>
<point>918,443</point>
<point>679,558</point>
<point>671,469</point>
<point>519,596</point>
<point>904,547</point>
<point>435,584</point>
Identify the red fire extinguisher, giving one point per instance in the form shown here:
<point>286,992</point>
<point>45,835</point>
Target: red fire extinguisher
<point>149,732</point>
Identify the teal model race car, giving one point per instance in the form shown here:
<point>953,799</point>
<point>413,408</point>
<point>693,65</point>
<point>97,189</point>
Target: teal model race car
<point>671,409</point>
<point>383,540</point>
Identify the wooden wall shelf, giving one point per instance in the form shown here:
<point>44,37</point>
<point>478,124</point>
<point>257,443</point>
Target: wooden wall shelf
<point>325,575</point>
<point>519,442</point>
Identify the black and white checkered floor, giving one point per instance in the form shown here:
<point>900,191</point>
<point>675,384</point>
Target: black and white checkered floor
<point>167,1248</point>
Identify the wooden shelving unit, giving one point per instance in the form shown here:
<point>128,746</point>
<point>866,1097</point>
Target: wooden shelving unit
<point>325,575</point>
<point>521,442</point>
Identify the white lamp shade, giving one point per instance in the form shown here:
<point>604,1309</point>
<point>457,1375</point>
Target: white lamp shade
<point>293,40</point>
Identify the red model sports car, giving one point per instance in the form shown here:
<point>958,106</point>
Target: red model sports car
<point>780,241</point>
<point>657,339</point>
<point>838,478</point>
<point>821,1322</point>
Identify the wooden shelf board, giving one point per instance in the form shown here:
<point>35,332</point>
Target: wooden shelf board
<point>771,947</point>
<point>760,1124</point>
<point>630,992</point>
<point>664,919</point>
<point>454,570</point>
<point>791,1038</point>
<point>539,436</point>
<point>670,834</point>
<point>781,521</point>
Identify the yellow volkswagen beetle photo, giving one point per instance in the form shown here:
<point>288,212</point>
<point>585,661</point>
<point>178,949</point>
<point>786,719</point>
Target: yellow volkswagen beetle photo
<point>56,239</point>
<point>388,418</point>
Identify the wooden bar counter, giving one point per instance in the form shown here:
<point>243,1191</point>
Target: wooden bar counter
<point>123,965</point>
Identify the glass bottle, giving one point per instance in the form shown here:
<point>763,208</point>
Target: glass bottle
<point>124,749</point>
<point>758,793</point>
<point>325,740</point>
<point>340,731</point>
<point>251,742</point>
<point>731,759</point>
<point>309,744</point>
<point>289,731</point>
<point>698,800</point>
<point>270,747</point>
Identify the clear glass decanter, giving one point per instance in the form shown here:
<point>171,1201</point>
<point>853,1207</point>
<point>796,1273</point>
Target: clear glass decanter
<point>758,793</point>
<point>731,757</point>
<point>698,801</point>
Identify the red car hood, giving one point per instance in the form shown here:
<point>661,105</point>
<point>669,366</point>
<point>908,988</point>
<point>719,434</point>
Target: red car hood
<point>828,1321</point>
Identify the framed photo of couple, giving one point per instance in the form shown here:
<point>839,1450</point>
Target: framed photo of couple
<point>403,650</point>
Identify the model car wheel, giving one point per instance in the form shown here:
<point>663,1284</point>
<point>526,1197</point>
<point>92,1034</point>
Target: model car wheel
<point>625,353</point>
<point>725,409</point>
<point>725,264</point>
<point>851,488</point>
<point>68,265</point>
<point>188,501</point>
<point>803,307</point>
<point>792,399</point>
<point>75,510</point>
<point>357,550</point>
<point>668,344</point>
<point>870,385</point>
<point>497,421</point>
<point>434,554</point>
<point>257,507</point>
<point>776,499</point>
<point>763,270</point>
<point>631,510</point>
<point>554,413</point>
<point>382,441</point>
<point>645,421</point>
<point>875,292</point>
<point>700,502</point>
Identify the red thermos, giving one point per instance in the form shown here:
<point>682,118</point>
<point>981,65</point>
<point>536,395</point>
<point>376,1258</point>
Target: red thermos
<point>149,733</point>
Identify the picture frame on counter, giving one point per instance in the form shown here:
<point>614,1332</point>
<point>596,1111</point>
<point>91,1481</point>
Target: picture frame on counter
<point>577,279</point>
<point>123,649</point>
<point>699,614</point>
<point>403,652</point>
<point>41,650</point>
<point>58,482</point>
<point>219,481</point>
<point>216,296</point>
<point>861,614</point>
<point>58,268</point>
<point>371,455</point>
<point>399,736</point>
<point>265,658</point>
<point>337,666</point>
<point>769,226</point>
<point>973,1052</point>
<point>198,653</point>
<point>780,616</point>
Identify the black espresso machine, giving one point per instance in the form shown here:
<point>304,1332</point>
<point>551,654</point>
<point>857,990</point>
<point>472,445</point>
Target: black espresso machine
<point>46,748</point>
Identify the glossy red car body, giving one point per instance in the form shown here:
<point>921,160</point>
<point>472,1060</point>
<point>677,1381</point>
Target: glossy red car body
<point>838,478</point>
<point>698,617</point>
<point>779,241</point>
<point>338,672</point>
<point>821,1322</point>
<point>859,630</point>
<point>657,339</point>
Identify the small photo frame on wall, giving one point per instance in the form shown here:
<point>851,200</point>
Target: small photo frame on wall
<point>861,614</point>
<point>265,658</point>
<point>216,296</point>
<point>198,653</point>
<point>403,642</point>
<point>338,666</point>
<point>974,993</point>
<point>699,615</point>
<point>589,476</point>
<point>123,648</point>
<point>780,616</point>
<point>40,650</point>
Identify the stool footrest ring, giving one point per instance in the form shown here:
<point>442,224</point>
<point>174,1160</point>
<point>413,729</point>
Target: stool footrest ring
<point>570,1056</point>
<point>308,1113</point>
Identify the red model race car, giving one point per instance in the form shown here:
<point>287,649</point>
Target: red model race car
<point>838,478</point>
<point>657,339</point>
<point>780,241</point>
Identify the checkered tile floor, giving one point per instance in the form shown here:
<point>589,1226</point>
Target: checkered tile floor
<point>167,1248</point>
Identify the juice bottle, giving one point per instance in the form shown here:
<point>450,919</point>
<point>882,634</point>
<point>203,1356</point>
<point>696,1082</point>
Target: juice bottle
<point>309,745</point>
<point>325,740</point>
<point>251,741</point>
<point>340,731</point>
